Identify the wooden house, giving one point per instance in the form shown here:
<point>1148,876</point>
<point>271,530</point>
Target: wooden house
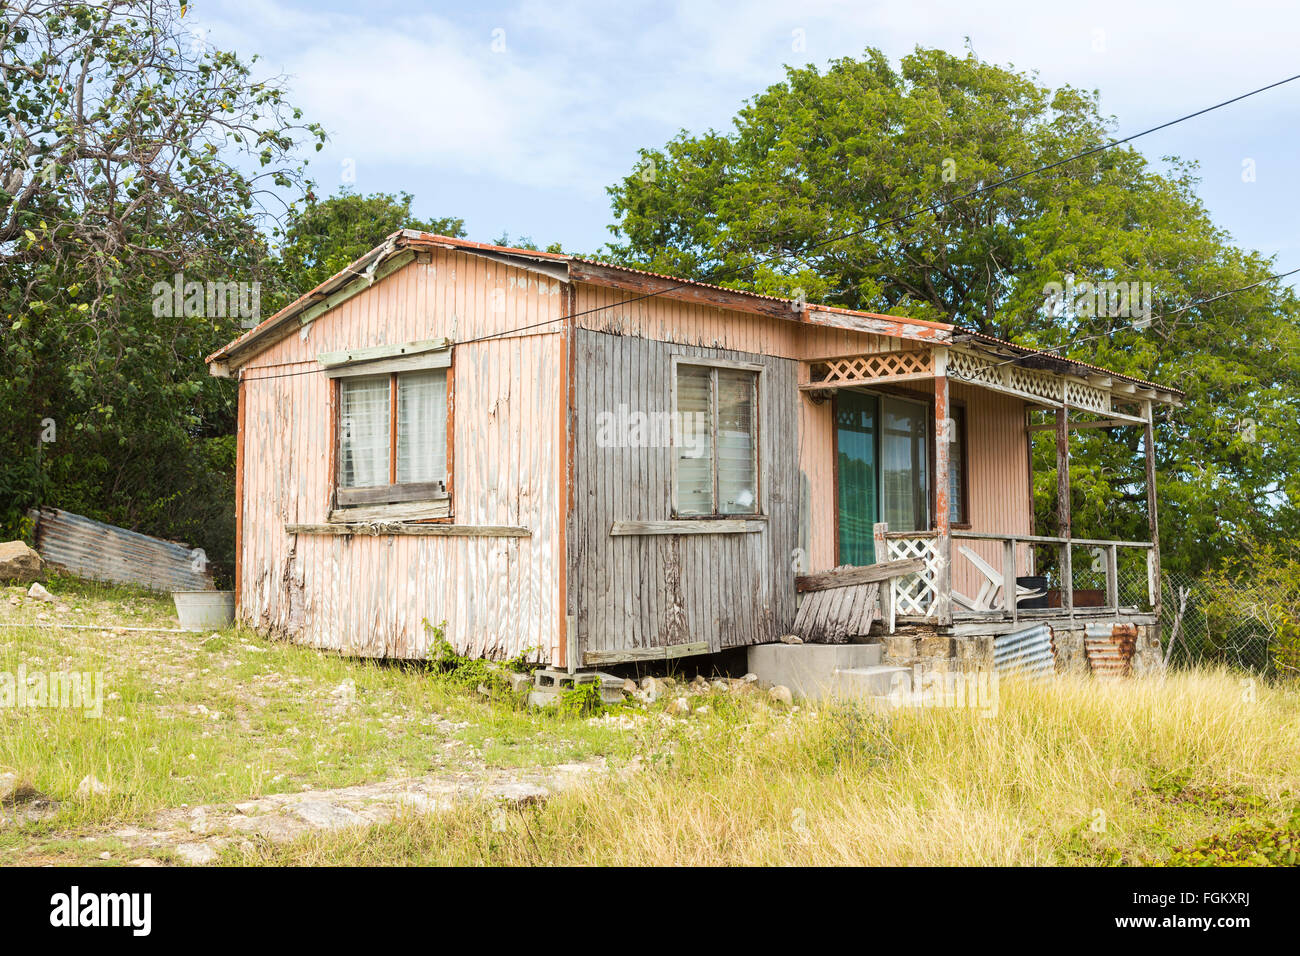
<point>594,464</point>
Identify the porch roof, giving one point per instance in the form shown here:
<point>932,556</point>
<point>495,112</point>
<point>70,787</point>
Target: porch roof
<point>1030,357</point>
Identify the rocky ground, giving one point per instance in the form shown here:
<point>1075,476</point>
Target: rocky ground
<point>213,744</point>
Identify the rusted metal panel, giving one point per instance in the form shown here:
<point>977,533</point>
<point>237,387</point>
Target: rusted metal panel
<point>1110,648</point>
<point>105,552</point>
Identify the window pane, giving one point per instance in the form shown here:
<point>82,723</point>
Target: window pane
<point>694,446</point>
<point>855,440</point>
<point>422,426</point>
<point>956,466</point>
<point>902,465</point>
<point>363,432</point>
<point>737,478</point>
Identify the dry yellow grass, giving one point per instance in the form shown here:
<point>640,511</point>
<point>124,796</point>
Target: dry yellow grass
<point>1067,772</point>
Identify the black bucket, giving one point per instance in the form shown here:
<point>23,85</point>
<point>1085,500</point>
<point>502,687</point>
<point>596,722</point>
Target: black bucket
<point>1035,582</point>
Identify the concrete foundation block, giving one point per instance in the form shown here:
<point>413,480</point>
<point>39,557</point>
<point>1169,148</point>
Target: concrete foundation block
<point>809,669</point>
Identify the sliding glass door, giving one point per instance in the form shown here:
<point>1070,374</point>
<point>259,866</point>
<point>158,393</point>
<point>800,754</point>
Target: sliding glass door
<point>882,469</point>
<point>903,471</point>
<point>856,478</point>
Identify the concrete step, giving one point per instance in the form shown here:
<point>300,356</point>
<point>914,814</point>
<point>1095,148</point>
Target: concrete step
<point>809,669</point>
<point>879,680</point>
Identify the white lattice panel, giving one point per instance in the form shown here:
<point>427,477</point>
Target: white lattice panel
<point>872,367</point>
<point>914,594</point>
<point>973,368</point>
<point>1079,395</point>
<point>1030,383</point>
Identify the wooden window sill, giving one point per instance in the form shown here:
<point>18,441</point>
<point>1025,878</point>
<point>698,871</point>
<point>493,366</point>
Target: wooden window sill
<point>426,529</point>
<point>746,525</point>
<point>403,511</point>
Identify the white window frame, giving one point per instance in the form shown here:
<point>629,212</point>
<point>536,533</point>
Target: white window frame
<point>760,502</point>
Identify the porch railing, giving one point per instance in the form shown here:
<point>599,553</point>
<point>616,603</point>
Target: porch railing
<point>916,596</point>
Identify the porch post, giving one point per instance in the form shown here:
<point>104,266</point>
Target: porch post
<point>942,517</point>
<point>1063,508</point>
<point>1153,519</point>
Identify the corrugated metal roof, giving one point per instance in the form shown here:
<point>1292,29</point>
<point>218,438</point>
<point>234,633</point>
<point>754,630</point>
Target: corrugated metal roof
<point>105,552</point>
<point>410,238</point>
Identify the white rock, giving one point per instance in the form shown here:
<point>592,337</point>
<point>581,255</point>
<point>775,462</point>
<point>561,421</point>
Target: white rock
<point>38,593</point>
<point>196,854</point>
<point>318,813</point>
<point>791,639</point>
<point>750,678</point>
<point>721,686</point>
<point>780,694</point>
<point>346,691</point>
<point>91,786</point>
<point>679,706</point>
<point>106,855</point>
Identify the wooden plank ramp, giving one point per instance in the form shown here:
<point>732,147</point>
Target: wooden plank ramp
<point>834,615</point>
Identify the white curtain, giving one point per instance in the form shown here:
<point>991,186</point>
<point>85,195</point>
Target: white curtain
<point>903,465</point>
<point>422,426</point>
<point>363,432</point>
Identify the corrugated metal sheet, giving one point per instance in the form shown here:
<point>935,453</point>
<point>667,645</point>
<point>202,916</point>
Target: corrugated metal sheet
<point>105,552</point>
<point>1026,653</point>
<point>1110,649</point>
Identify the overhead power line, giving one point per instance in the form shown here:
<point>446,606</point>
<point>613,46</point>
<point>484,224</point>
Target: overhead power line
<point>930,207</point>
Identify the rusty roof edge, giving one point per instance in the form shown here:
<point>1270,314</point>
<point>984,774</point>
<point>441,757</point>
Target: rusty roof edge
<point>242,348</point>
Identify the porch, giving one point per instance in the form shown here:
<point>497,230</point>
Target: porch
<point>902,484</point>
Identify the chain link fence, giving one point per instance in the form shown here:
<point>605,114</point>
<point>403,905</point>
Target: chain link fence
<point>1206,622</point>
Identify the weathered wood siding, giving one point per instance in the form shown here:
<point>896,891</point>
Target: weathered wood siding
<point>642,591</point>
<point>998,471</point>
<point>370,595</point>
<point>687,323</point>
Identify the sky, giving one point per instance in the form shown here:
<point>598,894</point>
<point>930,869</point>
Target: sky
<point>517,116</point>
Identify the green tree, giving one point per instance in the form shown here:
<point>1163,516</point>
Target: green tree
<point>132,152</point>
<point>323,236</point>
<point>856,149</point>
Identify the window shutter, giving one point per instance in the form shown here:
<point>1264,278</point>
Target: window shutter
<point>737,480</point>
<point>363,432</point>
<point>695,447</point>
<point>422,426</point>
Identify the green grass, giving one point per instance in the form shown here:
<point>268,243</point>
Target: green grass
<point>1145,773</point>
<point>1200,767</point>
<point>203,718</point>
